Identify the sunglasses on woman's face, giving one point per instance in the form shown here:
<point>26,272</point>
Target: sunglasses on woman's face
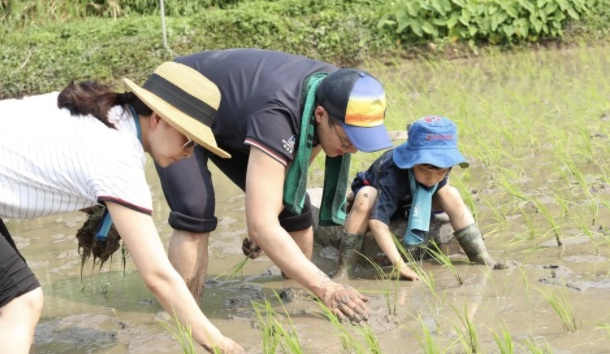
<point>189,145</point>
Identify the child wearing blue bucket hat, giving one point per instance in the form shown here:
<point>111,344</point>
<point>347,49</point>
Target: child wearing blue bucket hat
<point>410,181</point>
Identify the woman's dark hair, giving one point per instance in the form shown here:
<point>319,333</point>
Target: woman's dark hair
<point>89,245</point>
<point>96,99</point>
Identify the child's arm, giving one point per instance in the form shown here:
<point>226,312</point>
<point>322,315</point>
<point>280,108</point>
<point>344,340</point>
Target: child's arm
<point>385,240</point>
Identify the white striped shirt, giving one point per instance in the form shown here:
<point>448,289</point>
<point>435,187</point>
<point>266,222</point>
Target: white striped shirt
<point>52,162</point>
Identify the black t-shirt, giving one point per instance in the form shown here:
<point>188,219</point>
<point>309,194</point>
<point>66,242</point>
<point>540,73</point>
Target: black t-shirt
<point>392,184</point>
<point>261,103</point>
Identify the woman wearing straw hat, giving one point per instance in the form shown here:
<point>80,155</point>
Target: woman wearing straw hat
<point>91,152</point>
<point>278,112</point>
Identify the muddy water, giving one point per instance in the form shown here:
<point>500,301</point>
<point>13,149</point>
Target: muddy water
<point>111,311</point>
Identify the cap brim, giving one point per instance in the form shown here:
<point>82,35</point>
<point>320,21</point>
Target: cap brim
<point>368,139</point>
<point>443,158</point>
<point>185,124</point>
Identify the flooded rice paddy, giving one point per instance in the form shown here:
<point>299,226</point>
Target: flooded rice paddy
<point>535,128</point>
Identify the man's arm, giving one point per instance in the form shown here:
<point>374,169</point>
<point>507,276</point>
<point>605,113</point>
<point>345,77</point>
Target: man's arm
<point>264,194</point>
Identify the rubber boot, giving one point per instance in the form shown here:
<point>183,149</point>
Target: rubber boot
<point>471,241</point>
<point>350,246</point>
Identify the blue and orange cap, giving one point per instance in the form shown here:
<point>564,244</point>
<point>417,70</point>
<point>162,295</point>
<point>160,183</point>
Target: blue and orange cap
<point>358,100</point>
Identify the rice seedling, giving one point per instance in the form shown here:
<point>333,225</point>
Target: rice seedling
<point>586,149</point>
<point>389,284</point>
<point>583,225</point>
<point>426,278</point>
<point>535,348</point>
<point>233,271</point>
<point>562,307</point>
<point>604,326</point>
<point>578,175</point>
<point>181,334</point>
<point>426,341</point>
<point>348,342</point>
<point>466,195</point>
<point>501,290</point>
<point>555,226</point>
<point>469,336</point>
<point>442,258</point>
<point>275,335</point>
<point>526,283</point>
<point>504,341</point>
<point>520,197</point>
<point>370,339</point>
<point>529,221</point>
<point>498,215</point>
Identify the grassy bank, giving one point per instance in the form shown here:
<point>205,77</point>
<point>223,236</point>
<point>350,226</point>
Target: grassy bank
<point>45,44</point>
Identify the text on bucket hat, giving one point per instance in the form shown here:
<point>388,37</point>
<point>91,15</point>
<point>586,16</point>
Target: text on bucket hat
<point>185,99</point>
<point>431,140</point>
<point>358,100</point>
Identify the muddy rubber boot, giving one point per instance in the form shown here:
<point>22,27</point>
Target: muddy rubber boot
<point>350,246</point>
<point>471,241</point>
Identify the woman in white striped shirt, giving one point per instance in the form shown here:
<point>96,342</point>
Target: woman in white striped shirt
<point>89,152</point>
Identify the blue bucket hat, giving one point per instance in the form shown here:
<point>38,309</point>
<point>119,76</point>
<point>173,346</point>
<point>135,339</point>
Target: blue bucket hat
<point>431,140</point>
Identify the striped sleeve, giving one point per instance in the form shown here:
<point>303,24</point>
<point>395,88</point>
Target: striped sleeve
<point>121,178</point>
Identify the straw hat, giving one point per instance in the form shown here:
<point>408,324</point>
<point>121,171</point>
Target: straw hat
<point>185,99</point>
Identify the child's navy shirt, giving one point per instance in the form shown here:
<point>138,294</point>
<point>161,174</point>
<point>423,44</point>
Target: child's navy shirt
<point>392,184</point>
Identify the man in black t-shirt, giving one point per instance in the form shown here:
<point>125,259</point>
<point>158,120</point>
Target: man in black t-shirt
<point>277,112</point>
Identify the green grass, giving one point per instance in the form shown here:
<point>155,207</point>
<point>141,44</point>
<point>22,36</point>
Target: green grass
<point>560,303</point>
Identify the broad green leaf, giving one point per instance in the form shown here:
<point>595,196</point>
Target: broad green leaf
<point>440,22</point>
<point>465,17</point>
<point>508,30</point>
<point>563,4</point>
<point>452,21</point>
<point>573,13</point>
<point>537,25</point>
<point>438,7</point>
<point>403,23</point>
<point>416,27</point>
<point>412,8</point>
<point>460,3</point>
<point>510,10</point>
<point>551,8</point>
<point>492,9</point>
<point>527,5</point>
<point>428,28</point>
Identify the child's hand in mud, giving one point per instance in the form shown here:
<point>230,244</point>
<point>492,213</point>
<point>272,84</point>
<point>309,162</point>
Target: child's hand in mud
<point>226,346</point>
<point>347,303</point>
<point>408,273</point>
<point>250,249</point>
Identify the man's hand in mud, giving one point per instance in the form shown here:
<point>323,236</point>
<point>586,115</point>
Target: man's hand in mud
<point>347,303</point>
<point>250,248</point>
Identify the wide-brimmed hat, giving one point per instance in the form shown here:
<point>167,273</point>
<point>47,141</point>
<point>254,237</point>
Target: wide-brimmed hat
<point>431,140</point>
<point>185,99</point>
<point>358,100</point>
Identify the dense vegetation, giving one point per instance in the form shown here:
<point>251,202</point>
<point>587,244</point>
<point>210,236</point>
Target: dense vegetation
<point>46,43</point>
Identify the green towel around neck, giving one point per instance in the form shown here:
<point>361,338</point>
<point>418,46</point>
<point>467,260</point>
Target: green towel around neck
<point>336,173</point>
